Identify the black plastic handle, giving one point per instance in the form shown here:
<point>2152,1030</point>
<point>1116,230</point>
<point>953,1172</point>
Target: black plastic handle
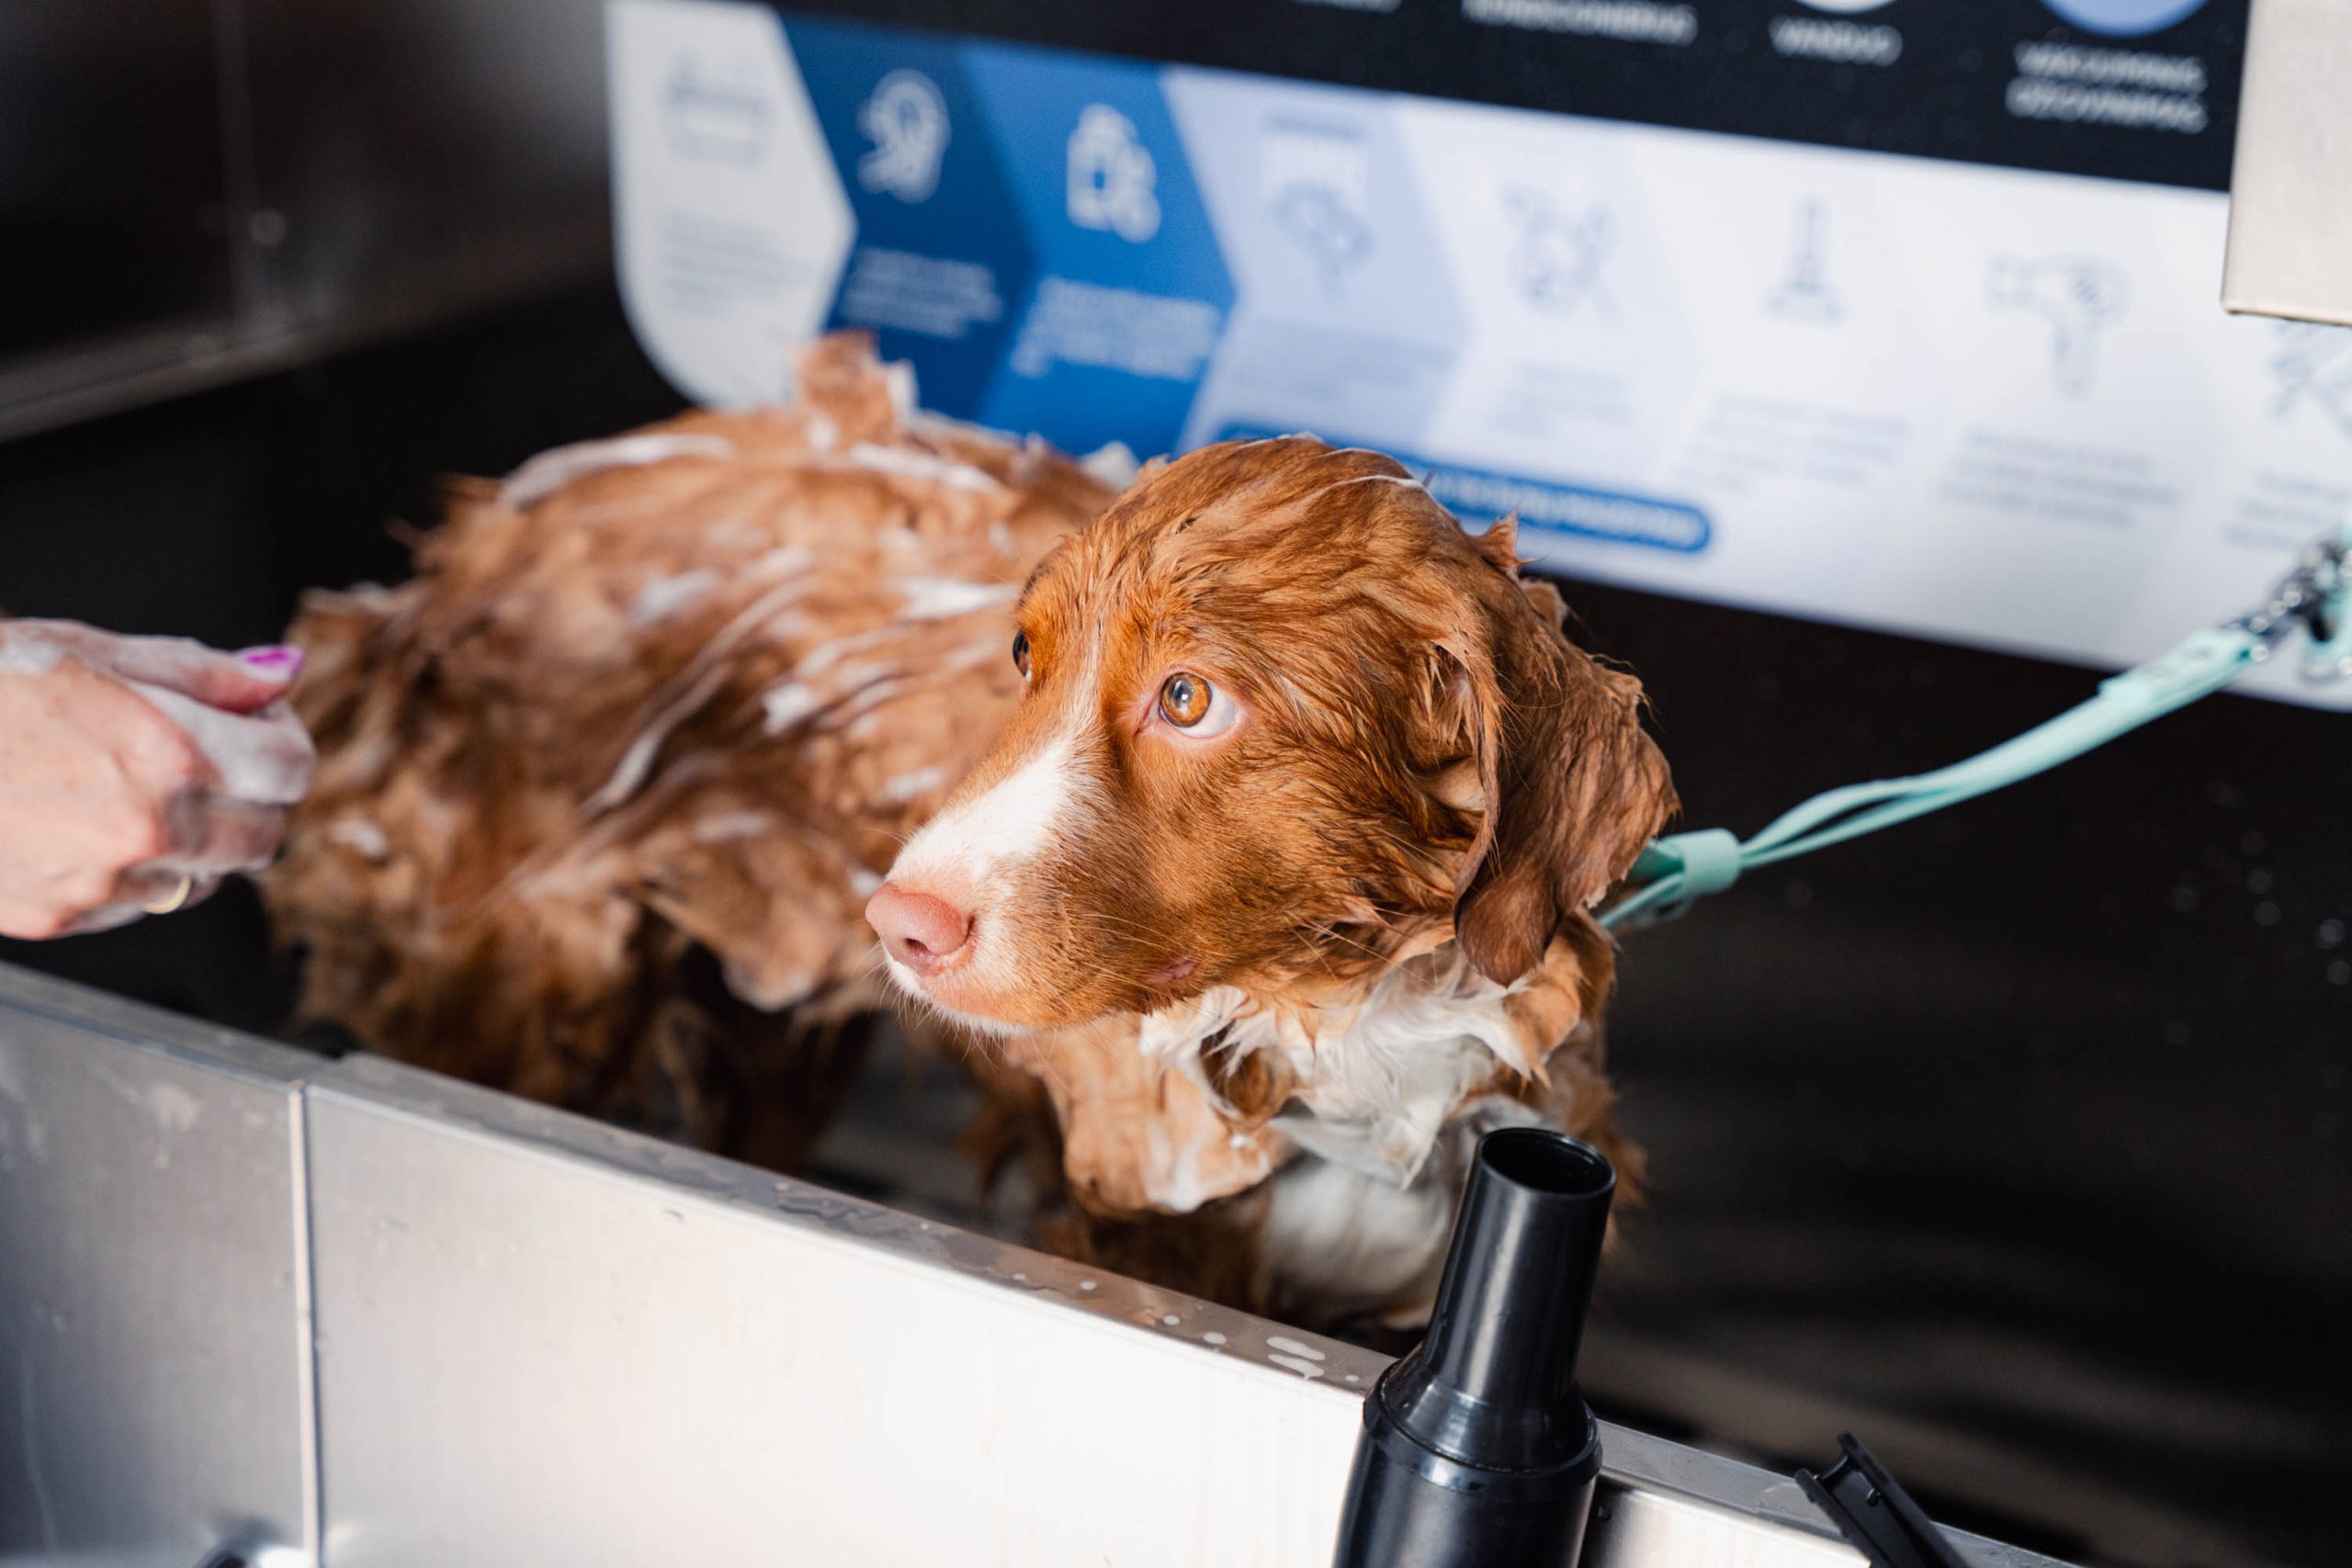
<point>1477,1447</point>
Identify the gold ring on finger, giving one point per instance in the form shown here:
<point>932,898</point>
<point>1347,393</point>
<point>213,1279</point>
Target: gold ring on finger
<point>179,897</point>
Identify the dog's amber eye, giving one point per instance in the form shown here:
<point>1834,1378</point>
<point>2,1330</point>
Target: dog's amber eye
<point>1021,653</point>
<point>1188,705</point>
<point>1184,699</point>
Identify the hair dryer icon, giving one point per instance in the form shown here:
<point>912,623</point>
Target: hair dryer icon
<point>2080,296</point>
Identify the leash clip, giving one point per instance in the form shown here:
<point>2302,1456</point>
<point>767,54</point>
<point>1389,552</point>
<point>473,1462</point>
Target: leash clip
<point>2316,597</point>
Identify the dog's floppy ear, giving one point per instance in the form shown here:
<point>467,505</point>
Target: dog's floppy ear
<point>1573,786</point>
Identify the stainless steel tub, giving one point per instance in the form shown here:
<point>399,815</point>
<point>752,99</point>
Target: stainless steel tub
<point>358,1315</point>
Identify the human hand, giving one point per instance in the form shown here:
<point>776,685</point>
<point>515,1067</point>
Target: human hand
<point>136,772</point>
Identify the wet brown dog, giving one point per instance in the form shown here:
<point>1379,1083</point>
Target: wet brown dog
<point>1305,803</point>
<point>1282,804</point>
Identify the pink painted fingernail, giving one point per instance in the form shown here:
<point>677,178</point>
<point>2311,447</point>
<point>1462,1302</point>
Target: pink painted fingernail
<point>277,659</point>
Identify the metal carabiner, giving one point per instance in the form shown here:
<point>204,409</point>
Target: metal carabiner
<point>2316,597</point>
<point>2328,615</point>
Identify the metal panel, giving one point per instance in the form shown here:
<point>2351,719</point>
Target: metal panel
<point>154,1378</point>
<point>112,198</point>
<point>2290,199</point>
<point>540,1340</point>
<point>196,190</point>
<point>545,1340</point>
<point>413,159</point>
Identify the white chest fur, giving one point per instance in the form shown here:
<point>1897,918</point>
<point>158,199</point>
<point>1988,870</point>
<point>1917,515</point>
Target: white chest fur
<point>1377,1079</point>
<point>1390,1094</point>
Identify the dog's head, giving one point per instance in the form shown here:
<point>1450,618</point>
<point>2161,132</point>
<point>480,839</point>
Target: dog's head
<point>1285,721</point>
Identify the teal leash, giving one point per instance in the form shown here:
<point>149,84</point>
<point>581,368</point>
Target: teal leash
<point>1675,871</point>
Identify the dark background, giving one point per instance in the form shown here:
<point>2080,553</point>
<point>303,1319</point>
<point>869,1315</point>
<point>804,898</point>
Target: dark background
<point>2014,1139</point>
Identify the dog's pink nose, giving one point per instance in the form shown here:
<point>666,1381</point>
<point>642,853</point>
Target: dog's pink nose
<point>920,930</point>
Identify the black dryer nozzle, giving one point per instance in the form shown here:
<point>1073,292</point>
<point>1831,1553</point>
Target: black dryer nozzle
<point>1478,1447</point>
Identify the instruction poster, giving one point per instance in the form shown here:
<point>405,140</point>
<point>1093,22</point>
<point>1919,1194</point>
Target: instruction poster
<point>1942,355</point>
